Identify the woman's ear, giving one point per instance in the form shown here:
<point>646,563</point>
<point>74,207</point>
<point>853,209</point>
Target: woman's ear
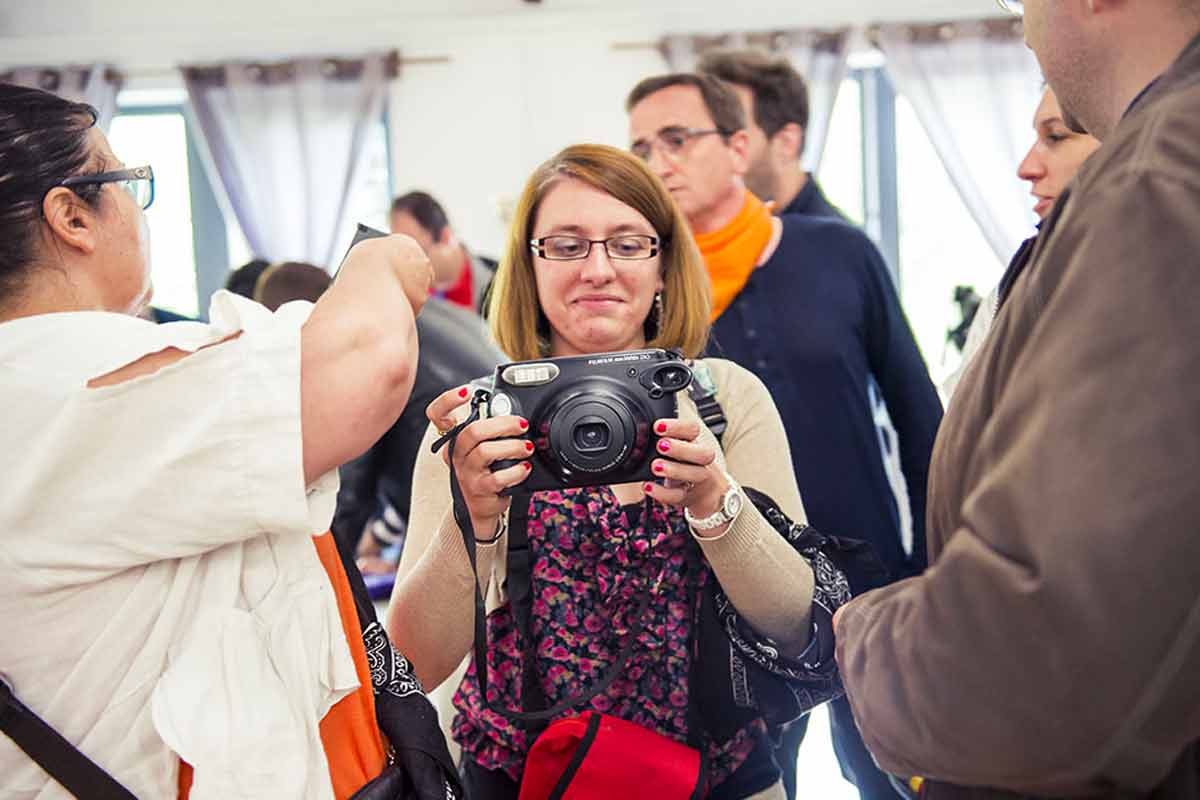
<point>71,221</point>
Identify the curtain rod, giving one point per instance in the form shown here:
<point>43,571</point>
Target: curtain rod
<point>174,72</point>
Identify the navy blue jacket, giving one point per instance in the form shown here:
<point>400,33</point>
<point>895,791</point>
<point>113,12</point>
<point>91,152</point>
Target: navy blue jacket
<point>812,201</point>
<point>814,324</point>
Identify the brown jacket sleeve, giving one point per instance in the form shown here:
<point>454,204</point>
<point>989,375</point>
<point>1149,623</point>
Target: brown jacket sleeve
<point>1054,647</point>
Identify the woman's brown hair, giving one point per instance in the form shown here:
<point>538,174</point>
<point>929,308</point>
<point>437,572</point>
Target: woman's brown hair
<point>517,322</point>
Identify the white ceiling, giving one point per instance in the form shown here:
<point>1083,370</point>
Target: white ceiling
<point>158,33</point>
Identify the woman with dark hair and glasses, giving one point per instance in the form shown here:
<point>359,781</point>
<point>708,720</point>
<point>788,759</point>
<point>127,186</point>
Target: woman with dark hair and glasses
<point>599,260</point>
<point>167,594</point>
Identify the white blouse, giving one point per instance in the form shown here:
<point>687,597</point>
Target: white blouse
<point>160,594</point>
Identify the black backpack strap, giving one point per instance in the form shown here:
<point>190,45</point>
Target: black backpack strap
<point>77,773</point>
<point>704,394</point>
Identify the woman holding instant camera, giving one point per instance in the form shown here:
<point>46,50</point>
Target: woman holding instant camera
<point>600,260</point>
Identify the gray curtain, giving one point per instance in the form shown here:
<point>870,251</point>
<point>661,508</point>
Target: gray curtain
<point>285,141</point>
<point>974,87</point>
<point>819,56</point>
<point>95,84</point>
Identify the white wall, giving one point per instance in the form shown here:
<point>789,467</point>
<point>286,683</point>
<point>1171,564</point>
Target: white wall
<point>507,83</point>
<point>472,130</point>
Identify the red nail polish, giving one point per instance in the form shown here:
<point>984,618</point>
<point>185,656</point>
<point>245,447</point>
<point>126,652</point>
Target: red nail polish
<point>527,465</point>
<point>462,392</point>
<point>664,446</point>
<point>524,424</point>
<point>649,487</point>
<point>662,427</point>
<point>529,447</point>
<point>659,467</point>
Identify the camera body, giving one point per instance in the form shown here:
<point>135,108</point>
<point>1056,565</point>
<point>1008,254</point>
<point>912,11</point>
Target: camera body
<point>590,417</point>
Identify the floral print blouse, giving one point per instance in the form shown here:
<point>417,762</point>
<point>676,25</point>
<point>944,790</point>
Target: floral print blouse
<point>593,562</point>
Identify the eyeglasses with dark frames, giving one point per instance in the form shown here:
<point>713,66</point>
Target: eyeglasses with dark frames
<point>1014,7</point>
<point>671,139</point>
<point>138,181</point>
<point>627,247</point>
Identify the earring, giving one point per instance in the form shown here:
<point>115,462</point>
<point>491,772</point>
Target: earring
<point>655,319</point>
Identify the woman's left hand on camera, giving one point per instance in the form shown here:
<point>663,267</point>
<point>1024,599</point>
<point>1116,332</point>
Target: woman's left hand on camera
<point>694,479</point>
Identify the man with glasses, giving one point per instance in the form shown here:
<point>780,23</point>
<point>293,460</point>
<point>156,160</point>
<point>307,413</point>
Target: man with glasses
<point>1053,647</point>
<point>774,97</point>
<point>806,304</point>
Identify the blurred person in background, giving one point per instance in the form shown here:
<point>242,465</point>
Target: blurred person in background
<point>243,279</point>
<point>806,304</point>
<point>290,280</point>
<point>459,276</point>
<point>774,97</point>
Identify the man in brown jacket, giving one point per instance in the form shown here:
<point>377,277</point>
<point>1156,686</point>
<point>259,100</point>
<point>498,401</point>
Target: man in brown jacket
<point>1053,648</point>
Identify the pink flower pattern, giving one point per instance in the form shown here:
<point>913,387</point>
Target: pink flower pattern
<point>591,570</point>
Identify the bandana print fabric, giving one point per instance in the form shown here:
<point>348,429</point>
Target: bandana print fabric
<point>593,564</point>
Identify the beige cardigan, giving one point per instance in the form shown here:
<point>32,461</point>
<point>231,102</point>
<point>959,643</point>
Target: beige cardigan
<point>431,611</point>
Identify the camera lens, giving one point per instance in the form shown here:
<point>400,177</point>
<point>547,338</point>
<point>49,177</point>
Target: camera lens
<point>591,435</point>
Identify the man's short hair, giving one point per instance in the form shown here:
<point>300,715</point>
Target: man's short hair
<point>288,281</point>
<point>719,98</point>
<point>780,93</point>
<point>243,279</point>
<point>427,211</point>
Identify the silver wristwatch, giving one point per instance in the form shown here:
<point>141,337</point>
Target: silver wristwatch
<point>731,505</point>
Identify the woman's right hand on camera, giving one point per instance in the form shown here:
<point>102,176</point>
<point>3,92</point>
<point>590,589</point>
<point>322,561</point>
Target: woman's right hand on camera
<point>476,448</point>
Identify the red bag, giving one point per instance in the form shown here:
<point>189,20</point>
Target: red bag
<point>595,756</point>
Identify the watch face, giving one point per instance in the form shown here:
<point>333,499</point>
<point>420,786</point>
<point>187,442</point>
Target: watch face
<point>733,504</point>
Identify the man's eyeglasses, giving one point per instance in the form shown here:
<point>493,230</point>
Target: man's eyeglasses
<point>1016,7</point>
<point>576,248</point>
<point>138,181</point>
<point>672,140</point>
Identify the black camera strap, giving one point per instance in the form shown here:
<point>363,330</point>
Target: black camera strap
<point>62,760</point>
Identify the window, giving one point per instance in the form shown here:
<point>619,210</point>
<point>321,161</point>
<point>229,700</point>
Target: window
<point>890,180</point>
<point>195,240</point>
<point>941,247</point>
<point>371,200</point>
<point>158,136</point>
<point>841,169</point>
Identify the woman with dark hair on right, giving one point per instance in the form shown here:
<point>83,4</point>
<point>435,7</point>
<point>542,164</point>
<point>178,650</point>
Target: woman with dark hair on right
<point>1051,163</point>
<point>601,260</point>
<point>173,606</point>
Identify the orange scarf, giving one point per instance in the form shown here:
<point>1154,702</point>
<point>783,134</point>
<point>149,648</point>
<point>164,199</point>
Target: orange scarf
<point>732,252</point>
